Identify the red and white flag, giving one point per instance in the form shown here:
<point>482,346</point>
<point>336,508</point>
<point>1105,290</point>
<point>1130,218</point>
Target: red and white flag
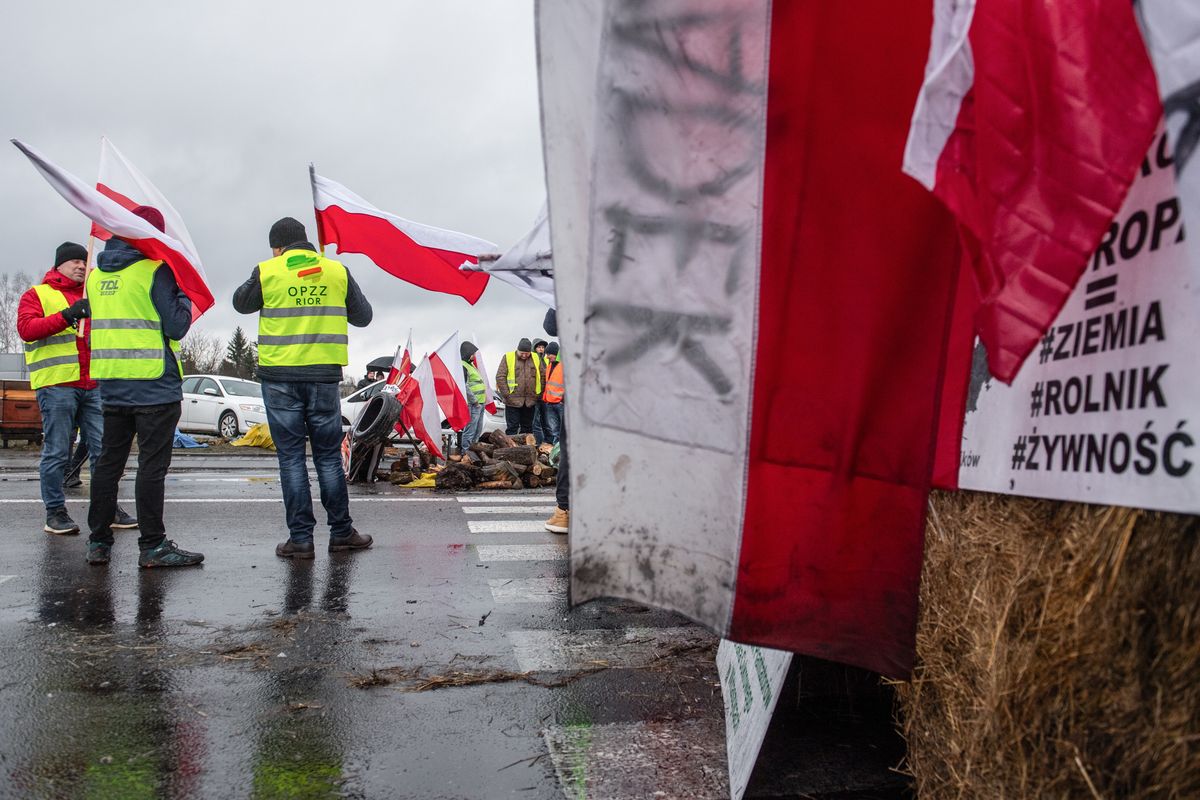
<point>1030,126</point>
<point>114,217</point>
<point>489,403</point>
<point>419,254</point>
<point>446,363</point>
<point>419,408</point>
<point>766,304</point>
<point>401,362</point>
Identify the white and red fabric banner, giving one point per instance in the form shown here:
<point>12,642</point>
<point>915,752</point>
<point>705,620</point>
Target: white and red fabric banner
<point>401,363</point>
<point>115,217</point>
<point>446,363</point>
<point>419,254</point>
<point>1030,126</point>
<point>419,407</point>
<point>489,404</point>
<point>752,416</point>
<point>527,266</point>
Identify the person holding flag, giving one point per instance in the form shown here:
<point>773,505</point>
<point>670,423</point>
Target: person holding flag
<point>138,315</point>
<point>67,396</point>
<point>476,395</point>
<point>305,302</point>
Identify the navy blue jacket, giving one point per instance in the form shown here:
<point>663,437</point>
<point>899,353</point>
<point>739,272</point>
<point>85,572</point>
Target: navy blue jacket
<point>175,311</point>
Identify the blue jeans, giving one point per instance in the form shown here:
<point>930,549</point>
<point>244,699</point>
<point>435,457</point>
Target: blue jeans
<point>552,414</point>
<point>539,422</point>
<point>65,408</point>
<point>474,429</point>
<point>296,411</point>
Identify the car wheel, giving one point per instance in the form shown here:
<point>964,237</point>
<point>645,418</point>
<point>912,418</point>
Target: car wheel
<point>227,426</point>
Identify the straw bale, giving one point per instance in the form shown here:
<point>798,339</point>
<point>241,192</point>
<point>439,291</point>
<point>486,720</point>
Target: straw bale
<point>1058,652</point>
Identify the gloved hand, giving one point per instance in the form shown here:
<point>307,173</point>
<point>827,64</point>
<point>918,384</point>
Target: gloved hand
<point>77,311</point>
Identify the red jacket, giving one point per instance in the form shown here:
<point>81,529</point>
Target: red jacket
<point>33,324</point>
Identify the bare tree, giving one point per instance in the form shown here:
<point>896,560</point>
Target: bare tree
<point>202,352</point>
<point>12,286</point>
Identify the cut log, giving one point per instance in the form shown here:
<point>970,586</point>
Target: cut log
<point>457,477</point>
<point>508,484</point>
<point>498,439</point>
<point>476,458</point>
<point>501,469</point>
<point>482,448</point>
<point>530,440</point>
<point>517,455</point>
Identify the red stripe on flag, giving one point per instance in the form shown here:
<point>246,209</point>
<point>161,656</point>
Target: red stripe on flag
<point>185,274</point>
<point>116,196</point>
<point>854,306</point>
<point>396,253</point>
<point>451,400</point>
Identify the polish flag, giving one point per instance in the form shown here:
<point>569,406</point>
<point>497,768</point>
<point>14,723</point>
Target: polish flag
<point>419,254</point>
<point>1030,126</point>
<point>419,408</point>
<point>115,218</point>
<point>717,214</point>
<point>446,363</point>
<point>401,362</point>
<point>489,404</point>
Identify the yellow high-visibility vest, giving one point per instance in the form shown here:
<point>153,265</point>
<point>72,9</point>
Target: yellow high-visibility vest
<point>128,342</point>
<point>511,359</point>
<point>303,318</point>
<point>55,359</point>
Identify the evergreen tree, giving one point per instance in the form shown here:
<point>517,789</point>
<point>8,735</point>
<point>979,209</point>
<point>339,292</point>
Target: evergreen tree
<point>241,355</point>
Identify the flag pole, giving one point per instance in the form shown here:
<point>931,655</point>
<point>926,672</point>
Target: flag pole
<point>312,181</point>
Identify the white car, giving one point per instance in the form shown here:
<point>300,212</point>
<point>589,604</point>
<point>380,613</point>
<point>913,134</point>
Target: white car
<point>353,405</point>
<point>221,405</point>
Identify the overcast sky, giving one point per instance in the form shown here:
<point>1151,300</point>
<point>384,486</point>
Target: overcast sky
<point>426,109</point>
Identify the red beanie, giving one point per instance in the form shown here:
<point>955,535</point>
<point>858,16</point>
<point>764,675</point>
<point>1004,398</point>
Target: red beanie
<point>153,216</point>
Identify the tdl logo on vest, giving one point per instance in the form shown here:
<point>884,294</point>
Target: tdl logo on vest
<point>109,286</point>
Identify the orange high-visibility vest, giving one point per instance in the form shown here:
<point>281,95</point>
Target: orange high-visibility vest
<point>554,384</point>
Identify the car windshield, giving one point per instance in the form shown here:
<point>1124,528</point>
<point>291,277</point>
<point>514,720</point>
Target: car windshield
<point>242,388</point>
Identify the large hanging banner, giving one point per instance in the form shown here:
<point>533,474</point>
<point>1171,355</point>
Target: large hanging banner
<point>1104,410</point>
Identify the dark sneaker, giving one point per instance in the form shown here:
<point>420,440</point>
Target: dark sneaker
<point>98,553</point>
<point>59,522</point>
<point>355,541</point>
<point>123,521</point>
<point>290,549</point>
<point>72,481</point>
<point>168,555</point>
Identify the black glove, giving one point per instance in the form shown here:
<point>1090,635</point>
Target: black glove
<point>78,310</point>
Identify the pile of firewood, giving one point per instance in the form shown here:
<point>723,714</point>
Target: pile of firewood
<point>498,461</point>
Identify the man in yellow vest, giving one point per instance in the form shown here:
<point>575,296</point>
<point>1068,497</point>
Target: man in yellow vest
<point>67,395</point>
<point>519,384</point>
<point>476,394</point>
<point>138,316</point>
<point>304,303</point>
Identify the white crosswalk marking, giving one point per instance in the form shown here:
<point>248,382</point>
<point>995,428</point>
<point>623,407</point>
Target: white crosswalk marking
<point>561,651</point>
<point>521,552</point>
<point>623,761</point>
<point>523,498</point>
<point>543,511</point>
<point>507,526</point>
<point>528,590</point>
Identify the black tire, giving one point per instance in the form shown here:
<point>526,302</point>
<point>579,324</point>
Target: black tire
<point>227,425</point>
<point>377,419</point>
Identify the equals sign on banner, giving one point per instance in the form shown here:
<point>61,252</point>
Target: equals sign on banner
<point>1100,292</point>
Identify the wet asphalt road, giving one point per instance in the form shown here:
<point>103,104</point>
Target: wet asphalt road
<point>252,676</point>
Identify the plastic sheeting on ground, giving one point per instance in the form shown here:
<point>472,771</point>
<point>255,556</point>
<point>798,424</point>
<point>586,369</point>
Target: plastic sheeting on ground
<point>258,436</point>
<point>183,440</point>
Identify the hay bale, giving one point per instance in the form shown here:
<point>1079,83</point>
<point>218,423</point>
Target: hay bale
<point>1058,652</point>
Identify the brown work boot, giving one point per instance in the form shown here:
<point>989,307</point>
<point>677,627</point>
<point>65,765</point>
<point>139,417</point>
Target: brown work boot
<point>559,522</point>
<point>355,541</point>
<point>290,549</point>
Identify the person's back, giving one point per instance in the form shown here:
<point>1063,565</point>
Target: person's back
<point>305,303</point>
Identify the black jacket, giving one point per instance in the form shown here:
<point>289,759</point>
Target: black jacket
<point>248,299</point>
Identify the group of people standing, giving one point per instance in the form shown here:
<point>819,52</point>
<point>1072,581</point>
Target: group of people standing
<point>530,383</point>
<point>119,381</point>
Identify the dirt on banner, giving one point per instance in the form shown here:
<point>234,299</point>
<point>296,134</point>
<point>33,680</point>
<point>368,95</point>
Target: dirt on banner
<point>1058,648</point>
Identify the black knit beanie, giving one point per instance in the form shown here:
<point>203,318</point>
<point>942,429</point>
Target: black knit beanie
<point>552,349</point>
<point>524,346</point>
<point>69,251</point>
<point>287,231</point>
<point>466,350</point>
